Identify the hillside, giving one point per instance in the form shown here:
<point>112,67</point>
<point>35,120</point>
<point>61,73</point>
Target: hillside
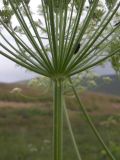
<point>26,123</point>
<point>102,87</point>
<point>27,93</point>
<point>112,87</point>
<point>94,101</point>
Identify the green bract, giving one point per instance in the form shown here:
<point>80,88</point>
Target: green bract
<point>6,15</point>
<point>57,4</point>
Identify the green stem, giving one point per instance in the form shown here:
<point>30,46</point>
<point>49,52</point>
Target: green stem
<point>58,120</point>
<point>91,123</point>
<point>71,132</point>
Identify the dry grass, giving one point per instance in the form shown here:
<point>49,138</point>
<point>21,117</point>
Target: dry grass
<point>25,124</point>
<point>96,103</point>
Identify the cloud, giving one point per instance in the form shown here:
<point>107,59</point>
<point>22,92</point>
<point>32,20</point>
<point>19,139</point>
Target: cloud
<point>9,72</point>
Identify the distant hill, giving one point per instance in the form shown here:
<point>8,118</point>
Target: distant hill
<point>112,87</point>
<point>109,88</point>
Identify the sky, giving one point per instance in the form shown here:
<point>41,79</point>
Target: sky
<point>10,72</point>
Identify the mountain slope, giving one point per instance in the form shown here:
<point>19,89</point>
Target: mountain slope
<point>112,87</point>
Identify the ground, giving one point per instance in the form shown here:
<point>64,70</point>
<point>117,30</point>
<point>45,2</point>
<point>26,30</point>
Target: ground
<point>26,127</point>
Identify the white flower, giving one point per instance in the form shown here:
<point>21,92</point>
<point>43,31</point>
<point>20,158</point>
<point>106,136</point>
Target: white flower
<point>16,90</point>
<point>92,83</point>
<point>107,79</point>
<point>32,148</point>
<point>46,141</point>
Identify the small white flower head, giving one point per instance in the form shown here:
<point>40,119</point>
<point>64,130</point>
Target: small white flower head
<point>39,82</point>
<point>32,148</point>
<point>92,83</point>
<point>34,82</point>
<point>46,141</point>
<point>91,75</point>
<point>16,90</point>
<point>95,75</point>
<point>107,79</point>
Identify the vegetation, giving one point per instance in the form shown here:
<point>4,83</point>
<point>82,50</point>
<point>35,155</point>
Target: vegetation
<point>25,128</point>
<point>109,87</point>
<point>27,94</point>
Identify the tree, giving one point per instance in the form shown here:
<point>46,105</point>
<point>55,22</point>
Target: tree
<point>72,48</point>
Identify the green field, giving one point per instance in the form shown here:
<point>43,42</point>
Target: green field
<point>26,128</point>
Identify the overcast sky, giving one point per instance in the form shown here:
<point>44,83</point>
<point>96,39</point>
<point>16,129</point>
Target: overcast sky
<point>9,72</point>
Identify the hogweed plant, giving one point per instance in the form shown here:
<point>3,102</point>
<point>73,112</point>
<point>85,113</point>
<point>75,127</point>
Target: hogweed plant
<point>67,47</point>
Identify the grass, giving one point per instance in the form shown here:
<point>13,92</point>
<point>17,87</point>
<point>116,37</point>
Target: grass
<point>26,134</point>
<point>33,94</point>
<point>26,127</point>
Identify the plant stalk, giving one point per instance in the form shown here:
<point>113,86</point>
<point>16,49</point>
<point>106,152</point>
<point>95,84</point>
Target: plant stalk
<point>88,118</point>
<point>57,120</point>
<point>71,132</point>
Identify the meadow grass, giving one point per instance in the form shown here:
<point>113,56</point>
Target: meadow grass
<point>28,94</point>
<point>26,130</point>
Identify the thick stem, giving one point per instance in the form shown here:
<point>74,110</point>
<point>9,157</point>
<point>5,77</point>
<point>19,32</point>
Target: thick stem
<point>58,120</point>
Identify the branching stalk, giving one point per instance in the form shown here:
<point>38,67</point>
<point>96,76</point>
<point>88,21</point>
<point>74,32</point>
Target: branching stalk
<point>81,106</point>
